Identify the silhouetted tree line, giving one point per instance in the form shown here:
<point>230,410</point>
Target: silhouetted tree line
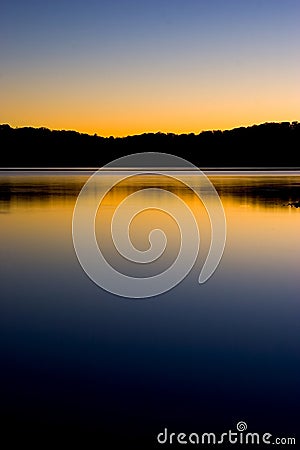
<point>265,145</point>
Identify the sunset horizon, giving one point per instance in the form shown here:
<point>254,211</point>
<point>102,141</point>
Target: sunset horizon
<point>158,131</point>
<point>121,69</point>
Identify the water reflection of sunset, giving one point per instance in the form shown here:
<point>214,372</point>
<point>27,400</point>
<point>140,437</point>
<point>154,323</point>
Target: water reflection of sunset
<point>229,342</point>
<point>255,206</point>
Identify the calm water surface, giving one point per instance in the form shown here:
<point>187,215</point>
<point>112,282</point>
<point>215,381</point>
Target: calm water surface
<point>80,361</point>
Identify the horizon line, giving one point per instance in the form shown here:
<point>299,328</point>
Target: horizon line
<point>150,132</point>
<point>231,169</point>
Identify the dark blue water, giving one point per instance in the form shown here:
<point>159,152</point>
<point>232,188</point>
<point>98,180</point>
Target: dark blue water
<point>80,363</point>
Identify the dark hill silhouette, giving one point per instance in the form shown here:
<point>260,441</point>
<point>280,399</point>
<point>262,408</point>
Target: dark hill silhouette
<point>265,145</point>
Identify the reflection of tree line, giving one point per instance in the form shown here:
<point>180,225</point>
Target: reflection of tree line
<point>265,145</point>
<point>46,191</point>
<point>14,192</point>
<point>282,191</point>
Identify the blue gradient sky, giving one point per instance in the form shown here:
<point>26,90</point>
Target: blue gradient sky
<point>126,67</point>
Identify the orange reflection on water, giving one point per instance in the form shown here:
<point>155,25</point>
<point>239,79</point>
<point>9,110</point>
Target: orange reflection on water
<point>37,214</point>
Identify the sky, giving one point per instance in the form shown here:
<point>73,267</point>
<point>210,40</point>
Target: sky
<point>123,67</point>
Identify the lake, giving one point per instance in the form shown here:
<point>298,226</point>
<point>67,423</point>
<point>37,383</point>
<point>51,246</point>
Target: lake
<point>80,362</point>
